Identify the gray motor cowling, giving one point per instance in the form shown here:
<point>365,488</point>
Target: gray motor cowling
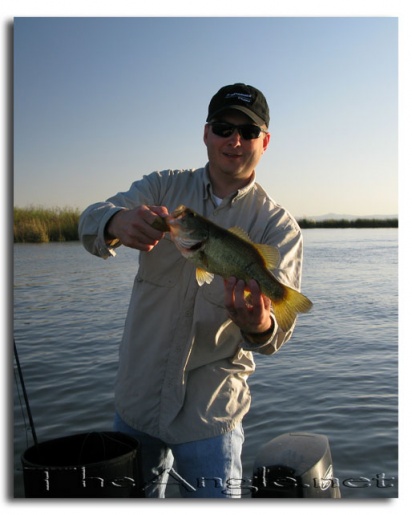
<point>295,465</point>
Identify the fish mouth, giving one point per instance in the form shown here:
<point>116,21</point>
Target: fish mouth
<point>178,213</point>
<point>182,235</point>
<point>175,221</point>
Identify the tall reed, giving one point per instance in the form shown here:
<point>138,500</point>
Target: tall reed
<point>42,225</point>
<point>358,223</point>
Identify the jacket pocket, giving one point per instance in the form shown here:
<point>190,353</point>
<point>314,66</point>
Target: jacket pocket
<point>214,292</point>
<point>161,266</point>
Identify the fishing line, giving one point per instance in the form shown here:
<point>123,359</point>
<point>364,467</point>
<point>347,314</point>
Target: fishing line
<point>26,399</point>
<point>26,427</point>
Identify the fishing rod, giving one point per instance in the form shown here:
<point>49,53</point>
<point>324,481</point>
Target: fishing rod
<point>26,399</point>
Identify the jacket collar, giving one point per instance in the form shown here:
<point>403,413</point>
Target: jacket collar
<point>208,189</point>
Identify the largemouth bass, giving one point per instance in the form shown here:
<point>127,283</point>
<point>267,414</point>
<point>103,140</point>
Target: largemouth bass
<point>231,253</point>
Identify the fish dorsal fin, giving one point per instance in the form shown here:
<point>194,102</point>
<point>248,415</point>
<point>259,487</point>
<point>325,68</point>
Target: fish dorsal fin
<point>202,276</point>
<point>241,233</point>
<point>270,255</point>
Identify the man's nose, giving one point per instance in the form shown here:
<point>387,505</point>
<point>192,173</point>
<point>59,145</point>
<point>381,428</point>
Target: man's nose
<point>235,138</point>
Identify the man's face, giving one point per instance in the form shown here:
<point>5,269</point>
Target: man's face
<point>234,156</point>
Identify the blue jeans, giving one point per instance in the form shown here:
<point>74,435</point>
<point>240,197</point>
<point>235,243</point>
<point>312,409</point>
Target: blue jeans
<point>209,468</point>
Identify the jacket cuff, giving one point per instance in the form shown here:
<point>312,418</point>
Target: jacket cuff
<point>104,249</point>
<point>250,344</point>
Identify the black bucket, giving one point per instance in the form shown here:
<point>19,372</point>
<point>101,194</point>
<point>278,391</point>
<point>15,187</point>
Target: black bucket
<point>84,465</point>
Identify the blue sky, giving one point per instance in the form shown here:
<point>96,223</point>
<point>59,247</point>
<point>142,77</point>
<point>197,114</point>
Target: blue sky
<point>99,102</point>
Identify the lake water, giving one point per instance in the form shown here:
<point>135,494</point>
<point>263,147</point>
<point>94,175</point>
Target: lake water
<point>337,376</point>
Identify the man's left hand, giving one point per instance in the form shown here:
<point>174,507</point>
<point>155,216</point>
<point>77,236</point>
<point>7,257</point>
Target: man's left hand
<point>249,311</point>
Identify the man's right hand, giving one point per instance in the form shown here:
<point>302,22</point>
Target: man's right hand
<point>132,227</point>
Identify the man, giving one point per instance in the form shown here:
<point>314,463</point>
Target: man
<point>187,350</point>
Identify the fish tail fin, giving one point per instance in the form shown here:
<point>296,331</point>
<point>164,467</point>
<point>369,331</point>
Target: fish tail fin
<point>288,306</point>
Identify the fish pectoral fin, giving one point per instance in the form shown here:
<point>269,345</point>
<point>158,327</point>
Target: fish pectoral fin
<point>288,306</point>
<point>203,276</point>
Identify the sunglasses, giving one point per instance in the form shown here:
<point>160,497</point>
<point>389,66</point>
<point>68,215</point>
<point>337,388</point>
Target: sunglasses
<point>225,130</point>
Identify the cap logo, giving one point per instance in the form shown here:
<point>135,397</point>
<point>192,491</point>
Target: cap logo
<point>244,97</point>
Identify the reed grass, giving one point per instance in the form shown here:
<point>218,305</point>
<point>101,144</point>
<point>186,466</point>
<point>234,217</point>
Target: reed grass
<point>358,223</point>
<point>43,225</point>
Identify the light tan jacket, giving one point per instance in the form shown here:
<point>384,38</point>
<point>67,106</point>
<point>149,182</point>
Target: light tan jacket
<point>183,365</point>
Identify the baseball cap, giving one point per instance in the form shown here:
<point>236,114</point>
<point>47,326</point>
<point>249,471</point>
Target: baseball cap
<point>242,97</point>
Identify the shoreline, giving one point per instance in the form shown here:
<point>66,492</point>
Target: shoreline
<point>358,223</point>
<point>45,225</point>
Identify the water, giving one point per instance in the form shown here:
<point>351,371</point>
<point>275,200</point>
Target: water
<point>337,376</point>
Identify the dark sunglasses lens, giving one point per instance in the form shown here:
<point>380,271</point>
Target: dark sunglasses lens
<point>249,131</point>
<point>225,130</point>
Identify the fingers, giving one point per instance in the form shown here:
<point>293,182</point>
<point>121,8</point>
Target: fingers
<point>159,210</point>
<point>143,235</point>
<point>133,227</point>
<point>246,306</point>
<point>241,297</point>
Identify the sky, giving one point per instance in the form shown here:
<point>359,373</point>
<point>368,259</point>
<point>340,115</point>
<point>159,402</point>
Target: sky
<point>100,102</point>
